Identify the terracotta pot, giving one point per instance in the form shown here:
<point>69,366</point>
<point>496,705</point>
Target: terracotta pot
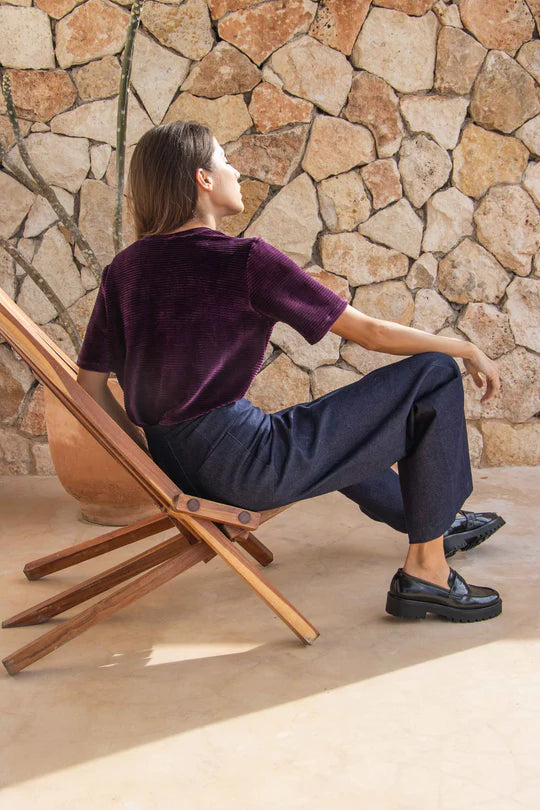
<point>107,494</point>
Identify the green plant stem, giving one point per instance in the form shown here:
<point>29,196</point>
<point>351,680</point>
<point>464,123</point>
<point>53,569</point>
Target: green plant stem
<point>44,188</point>
<point>63,315</point>
<point>121,121</point>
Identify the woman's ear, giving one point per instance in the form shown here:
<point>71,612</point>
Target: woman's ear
<point>204,180</point>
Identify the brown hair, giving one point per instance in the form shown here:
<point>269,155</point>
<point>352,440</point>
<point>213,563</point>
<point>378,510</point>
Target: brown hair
<point>162,188</point>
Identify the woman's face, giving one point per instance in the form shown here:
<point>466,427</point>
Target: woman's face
<point>226,196</point>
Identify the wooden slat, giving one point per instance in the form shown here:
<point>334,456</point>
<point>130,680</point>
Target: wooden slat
<point>97,546</point>
<point>67,599</point>
<point>145,583</point>
<point>256,549</point>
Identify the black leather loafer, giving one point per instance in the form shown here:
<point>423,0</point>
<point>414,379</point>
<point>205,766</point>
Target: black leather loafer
<point>412,598</point>
<point>469,529</point>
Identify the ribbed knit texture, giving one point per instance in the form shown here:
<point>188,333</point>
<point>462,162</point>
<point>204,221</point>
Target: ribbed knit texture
<point>184,320</point>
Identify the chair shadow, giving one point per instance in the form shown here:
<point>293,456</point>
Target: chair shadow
<point>203,649</point>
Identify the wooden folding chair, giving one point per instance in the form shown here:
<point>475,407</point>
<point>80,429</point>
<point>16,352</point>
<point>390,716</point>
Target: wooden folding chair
<point>206,528</point>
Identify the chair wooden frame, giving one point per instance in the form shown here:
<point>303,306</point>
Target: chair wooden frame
<point>206,529</point>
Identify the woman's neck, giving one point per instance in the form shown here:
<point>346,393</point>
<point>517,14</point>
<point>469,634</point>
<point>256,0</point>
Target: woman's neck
<point>205,221</point>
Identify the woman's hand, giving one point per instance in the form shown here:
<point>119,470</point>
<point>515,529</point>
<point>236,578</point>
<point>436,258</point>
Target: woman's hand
<point>479,363</point>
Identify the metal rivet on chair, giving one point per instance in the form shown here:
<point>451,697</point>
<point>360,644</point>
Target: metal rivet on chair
<point>193,505</point>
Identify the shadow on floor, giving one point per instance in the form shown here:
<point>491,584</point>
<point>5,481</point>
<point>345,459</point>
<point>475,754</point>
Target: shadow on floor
<point>203,648</point>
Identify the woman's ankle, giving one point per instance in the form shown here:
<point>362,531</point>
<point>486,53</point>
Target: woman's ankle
<point>427,561</point>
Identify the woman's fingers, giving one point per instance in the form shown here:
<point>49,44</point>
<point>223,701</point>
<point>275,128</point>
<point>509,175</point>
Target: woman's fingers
<point>483,365</point>
<point>493,385</point>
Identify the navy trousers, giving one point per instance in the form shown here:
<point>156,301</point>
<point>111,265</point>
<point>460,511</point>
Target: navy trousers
<point>410,412</point>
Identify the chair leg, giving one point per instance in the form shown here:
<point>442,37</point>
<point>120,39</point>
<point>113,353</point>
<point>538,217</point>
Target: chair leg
<point>67,599</point>
<point>252,545</point>
<point>98,545</point>
<point>221,544</point>
<point>147,582</point>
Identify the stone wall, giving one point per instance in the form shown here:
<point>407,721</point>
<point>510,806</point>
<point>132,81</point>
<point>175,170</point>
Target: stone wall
<point>389,147</point>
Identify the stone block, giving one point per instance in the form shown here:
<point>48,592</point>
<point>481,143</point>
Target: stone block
<point>488,328</point>
<point>290,221</point>
<point>307,356</point>
<point>343,201</point>
<point>359,260</point>
<point>42,216</point>
<point>424,167</point>
<point>519,397</point>
<point>383,181</point>
<point>99,159</point>
<point>423,273</point>
<point>470,273</point>
<point>254,193</point>
<point>476,444</point>
<point>523,307</point>
<point>439,116</point>
<point>498,24</point>
<point>156,75</point>
<point>529,58</point>
<point>373,102</point>
<point>272,109</point>
<point>97,120</point>
<point>364,360</point>
<point>20,200</point>
<point>508,225</point>
<point>329,378</point>
<point>390,300</point>
<point>40,94</point>
<point>61,161</point>
<point>459,58</point>
<point>94,29</point>
<point>279,385</point>
<point>272,158</point>
<point>334,282</point>
<point>335,146</point>
<point>262,29</point>
<point>33,421</point>
<point>449,217</point>
<point>397,226</point>
<point>313,71</point>
<point>15,458</point>
<point>98,79</point>
<point>504,94</point>
<point>338,22</point>
<point>224,71</point>
<point>185,28</point>
<point>531,181</point>
<point>507,444</point>
<point>529,133</point>
<point>431,312</point>
<point>227,117</point>
<point>398,48</point>
<point>484,159</point>
<point>15,380</point>
<point>26,40</point>
<point>43,462</point>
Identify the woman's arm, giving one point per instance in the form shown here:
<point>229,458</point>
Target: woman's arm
<point>393,338</point>
<point>95,384</point>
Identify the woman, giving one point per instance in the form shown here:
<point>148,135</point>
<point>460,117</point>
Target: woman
<point>183,316</point>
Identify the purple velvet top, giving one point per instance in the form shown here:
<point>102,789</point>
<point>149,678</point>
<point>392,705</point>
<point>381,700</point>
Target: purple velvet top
<point>184,320</point>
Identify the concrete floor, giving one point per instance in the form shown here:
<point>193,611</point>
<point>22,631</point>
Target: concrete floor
<point>198,698</point>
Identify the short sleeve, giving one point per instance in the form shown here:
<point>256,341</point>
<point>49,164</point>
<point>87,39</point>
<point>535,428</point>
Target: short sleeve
<point>282,291</point>
<point>95,354</point>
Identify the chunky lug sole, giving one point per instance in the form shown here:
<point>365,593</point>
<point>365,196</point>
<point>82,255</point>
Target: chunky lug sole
<point>417,609</point>
<point>464,541</point>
